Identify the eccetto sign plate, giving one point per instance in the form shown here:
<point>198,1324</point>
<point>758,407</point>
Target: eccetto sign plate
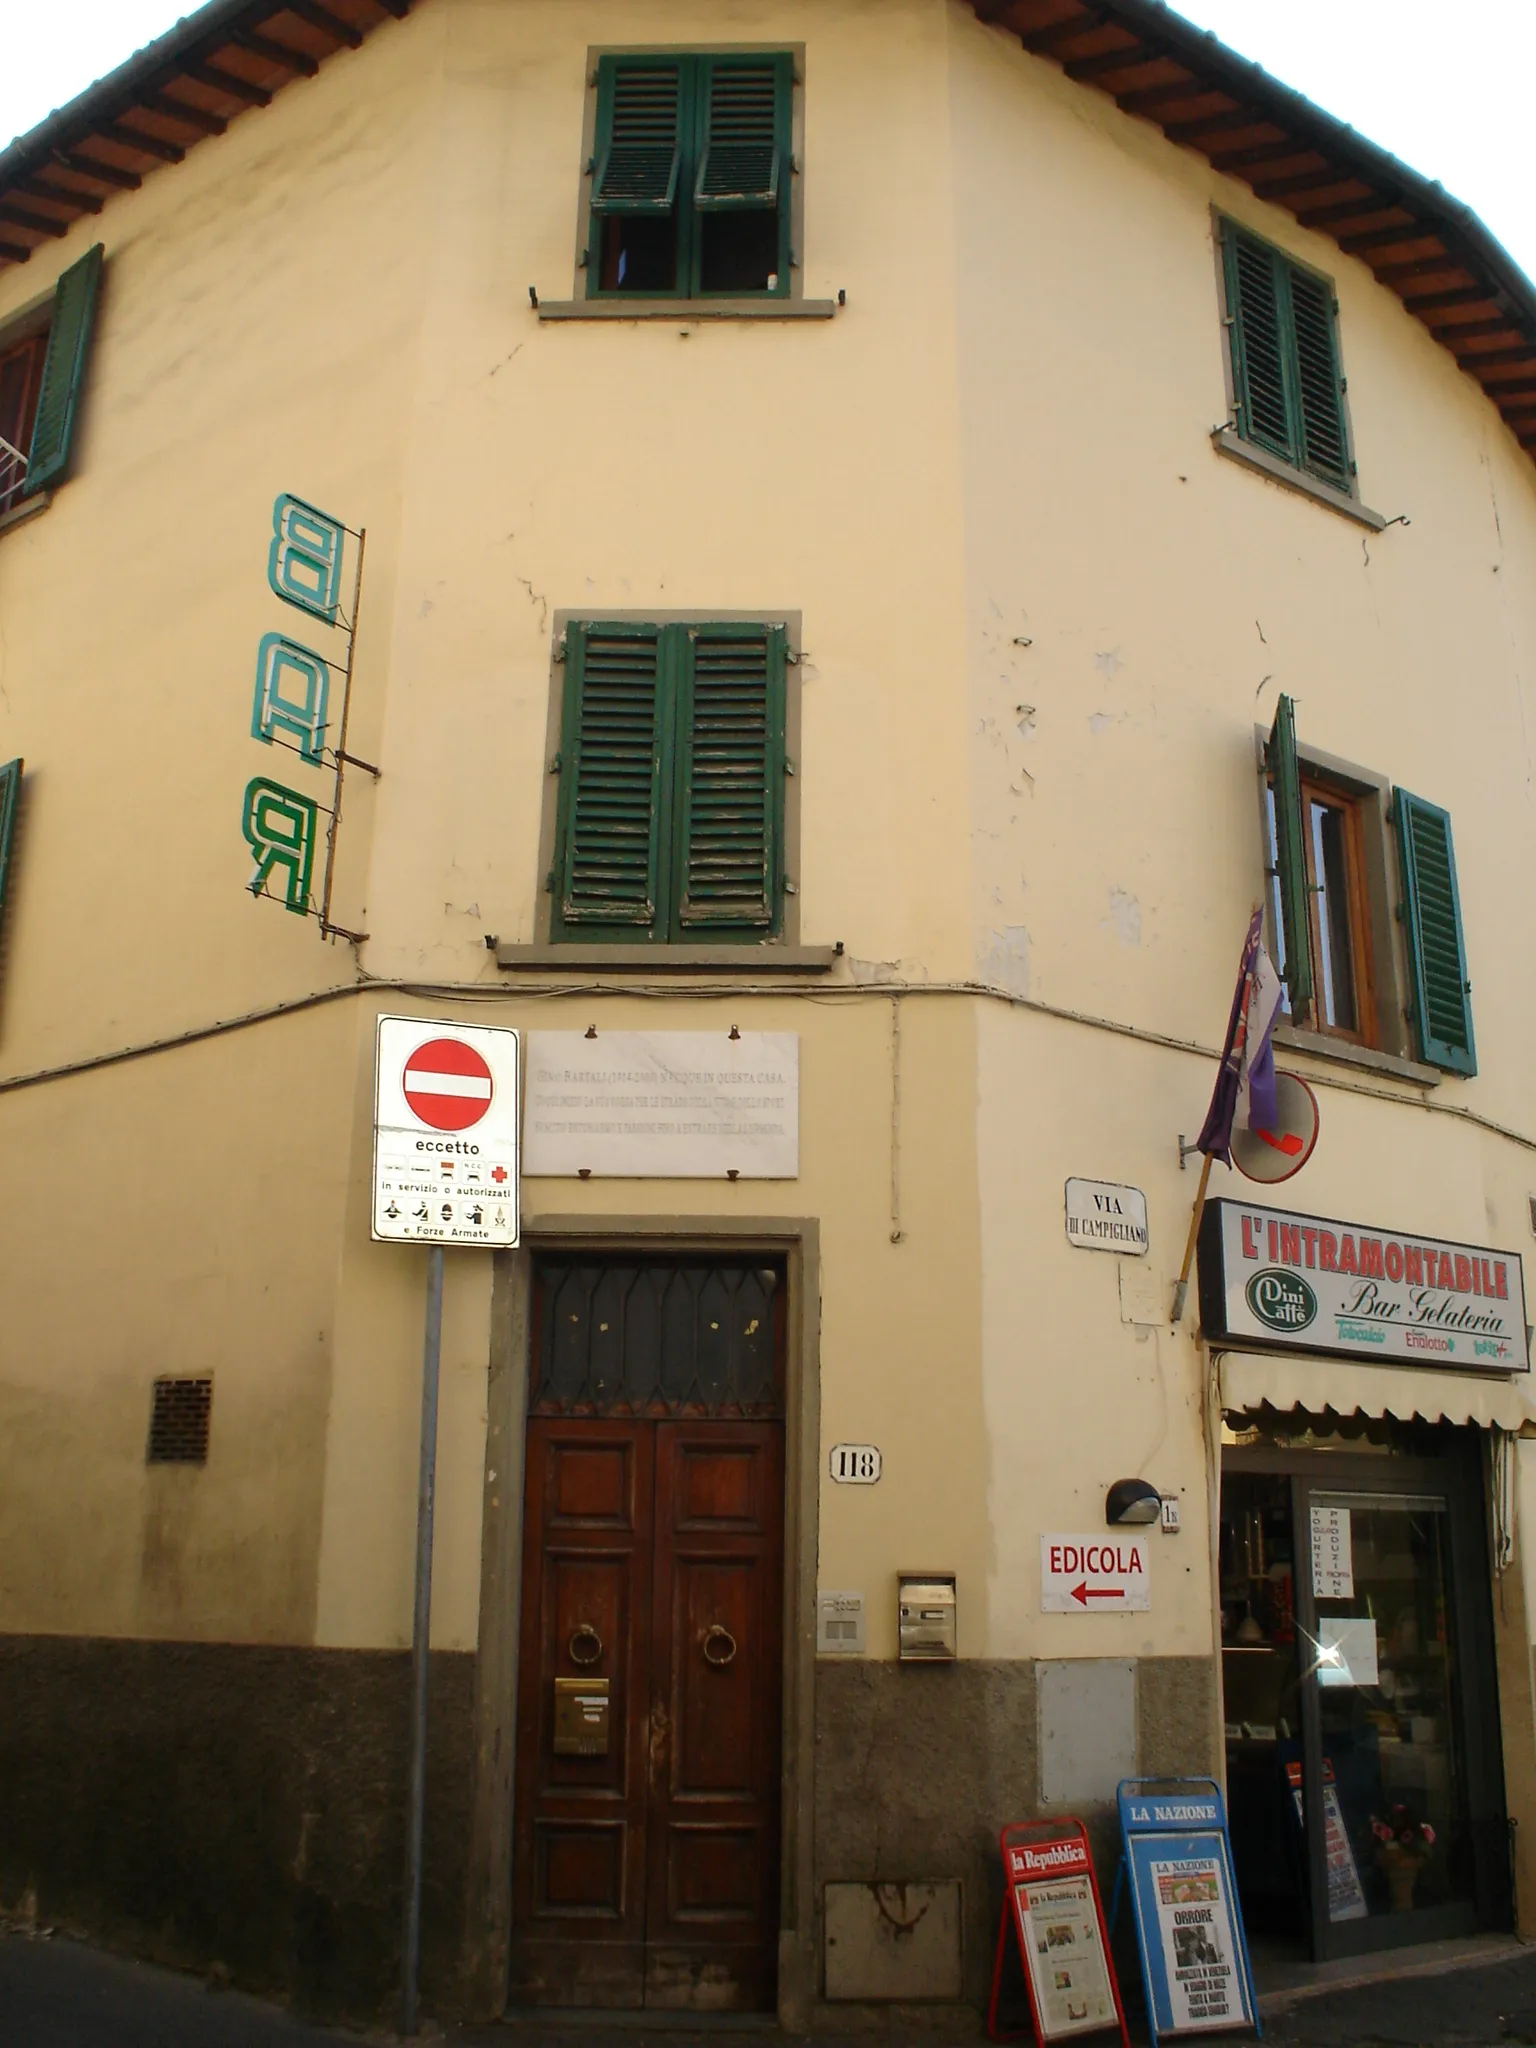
<point>1273,1277</point>
<point>445,1128</point>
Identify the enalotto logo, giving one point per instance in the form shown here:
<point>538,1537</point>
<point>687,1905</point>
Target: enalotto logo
<point>1282,1301</point>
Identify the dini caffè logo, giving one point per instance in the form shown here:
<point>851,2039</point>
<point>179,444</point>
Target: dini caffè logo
<point>1284,1301</point>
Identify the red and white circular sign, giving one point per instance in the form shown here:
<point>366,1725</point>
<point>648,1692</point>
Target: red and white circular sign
<point>447,1084</point>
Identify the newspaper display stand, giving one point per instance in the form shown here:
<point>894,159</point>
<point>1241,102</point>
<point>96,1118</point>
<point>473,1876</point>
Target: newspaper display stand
<point>1176,1863</point>
<point>1051,1901</point>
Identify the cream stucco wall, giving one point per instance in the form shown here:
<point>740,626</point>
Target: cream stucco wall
<point>1002,438</point>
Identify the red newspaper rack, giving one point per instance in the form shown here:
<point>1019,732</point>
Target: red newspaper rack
<point>1051,1901</point>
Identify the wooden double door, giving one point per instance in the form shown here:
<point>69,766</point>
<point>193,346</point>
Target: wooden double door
<point>647,1870</point>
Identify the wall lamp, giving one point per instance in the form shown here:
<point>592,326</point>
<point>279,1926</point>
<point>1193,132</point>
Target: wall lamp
<point>1132,1500</point>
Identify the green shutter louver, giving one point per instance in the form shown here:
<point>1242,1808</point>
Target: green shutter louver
<point>1256,311</point>
<point>69,345</point>
<point>731,780</point>
<point>1324,444</point>
<point>745,133</point>
<point>10,803</point>
<point>1437,954</point>
<point>1287,388</point>
<point>639,130</point>
<point>1291,854</point>
<point>615,755</point>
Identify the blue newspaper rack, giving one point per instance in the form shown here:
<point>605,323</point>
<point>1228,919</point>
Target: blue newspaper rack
<point>1176,1864</point>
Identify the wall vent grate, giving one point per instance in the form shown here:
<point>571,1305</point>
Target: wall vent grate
<point>178,1422</point>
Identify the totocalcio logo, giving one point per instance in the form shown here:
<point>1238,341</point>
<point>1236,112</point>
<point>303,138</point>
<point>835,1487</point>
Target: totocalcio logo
<point>1281,1301</point>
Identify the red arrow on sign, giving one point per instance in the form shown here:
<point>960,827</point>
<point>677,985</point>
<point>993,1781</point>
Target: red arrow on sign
<point>1082,1593</point>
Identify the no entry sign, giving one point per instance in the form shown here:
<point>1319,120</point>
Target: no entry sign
<point>445,1158</point>
<point>1094,1574</point>
<point>448,1084</point>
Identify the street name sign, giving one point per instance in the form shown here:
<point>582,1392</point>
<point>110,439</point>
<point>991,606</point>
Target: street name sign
<point>445,1133</point>
<point>1106,1216</point>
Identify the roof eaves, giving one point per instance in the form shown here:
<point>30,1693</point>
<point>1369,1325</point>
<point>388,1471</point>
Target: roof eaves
<point>1050,28</point>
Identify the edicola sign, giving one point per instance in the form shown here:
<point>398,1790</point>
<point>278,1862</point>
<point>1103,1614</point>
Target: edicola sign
<point>1273,1277</point>
<point>1094,1575</point>
<point>445,1133</point>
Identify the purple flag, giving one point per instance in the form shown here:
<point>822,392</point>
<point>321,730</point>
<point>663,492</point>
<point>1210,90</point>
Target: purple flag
<point>1245,1085</point>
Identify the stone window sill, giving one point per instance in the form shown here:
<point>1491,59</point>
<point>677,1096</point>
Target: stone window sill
<point>686,310</point>
<point>1227,442</point>
<point>602,959</point>
<point>1325,1047</point>
<point>27,509</point>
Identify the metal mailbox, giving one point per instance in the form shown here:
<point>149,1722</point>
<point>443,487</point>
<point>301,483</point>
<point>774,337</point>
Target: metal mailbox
<point>581,1717</point>
<point>926,1617</point>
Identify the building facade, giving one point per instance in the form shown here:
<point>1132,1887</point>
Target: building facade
<point>868,541</point>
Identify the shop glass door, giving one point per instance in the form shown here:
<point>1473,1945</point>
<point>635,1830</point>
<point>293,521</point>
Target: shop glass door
<point>1390,1850</point>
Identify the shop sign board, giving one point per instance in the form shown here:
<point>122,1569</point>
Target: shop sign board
<point>1177,1857</point>
<point>1057,1919</point>
<point>1273,1277</point>
<point>1104,1216</point>
<point>1094,1574</point>
<point>445,1128</point>
<point>663,1105</point>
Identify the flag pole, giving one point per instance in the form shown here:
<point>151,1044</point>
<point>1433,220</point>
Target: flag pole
<point>1212,1133</point>
<point>1181,1292</point>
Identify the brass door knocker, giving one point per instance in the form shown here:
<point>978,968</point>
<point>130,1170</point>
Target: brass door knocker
<point>714,1635</point>
<point>586,1633</point>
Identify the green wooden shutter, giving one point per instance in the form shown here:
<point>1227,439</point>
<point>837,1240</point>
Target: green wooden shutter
<point>616,766</point>
<point>745,123</point>
<point>69,347</point>
<point>1437,953</point>
<point>1291,854</point>
<point>1256,295</point>
<point>730,801</point>
<point>10,803</point>
<point>1324,445</point>
<point>639,135</point>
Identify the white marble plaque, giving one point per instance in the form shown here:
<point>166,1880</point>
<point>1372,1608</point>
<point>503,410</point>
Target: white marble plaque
<point>662,1105</point>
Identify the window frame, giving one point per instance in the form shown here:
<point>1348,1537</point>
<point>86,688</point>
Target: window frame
<point>1230,439</point>
<point>694,943</point>
<point>591,300</point>
<point>1385,1026</point>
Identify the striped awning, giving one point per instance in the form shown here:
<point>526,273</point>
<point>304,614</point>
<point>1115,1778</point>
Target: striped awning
<point>1250,1380</point>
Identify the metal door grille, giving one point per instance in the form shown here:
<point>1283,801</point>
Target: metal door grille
<point>658,1337</point>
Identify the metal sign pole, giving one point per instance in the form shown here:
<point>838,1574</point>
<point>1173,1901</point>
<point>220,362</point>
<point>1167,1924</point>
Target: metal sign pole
<point>420,1637</point>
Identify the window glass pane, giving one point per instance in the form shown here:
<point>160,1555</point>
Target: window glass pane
<point>639,253</point>
<point>1385,1659</point>
<point>1329,825</point>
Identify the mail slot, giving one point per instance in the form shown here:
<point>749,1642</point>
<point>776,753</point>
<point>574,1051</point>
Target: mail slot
<point>926,1613</point>
<point>581,1717</point>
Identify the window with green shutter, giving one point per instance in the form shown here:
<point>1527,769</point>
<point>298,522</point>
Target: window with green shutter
<point>1437,952</point>
<point>10,804</point>
<point>691,173</point>
<point>1287,386</point>
<point>670,823</point>
<point>63,373</point>
<point>1331,831</point>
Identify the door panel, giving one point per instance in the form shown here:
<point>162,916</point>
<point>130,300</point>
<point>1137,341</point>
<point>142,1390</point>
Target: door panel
<point>579,1855</point>
<point>711,1919</point>
<point>653,1560</point>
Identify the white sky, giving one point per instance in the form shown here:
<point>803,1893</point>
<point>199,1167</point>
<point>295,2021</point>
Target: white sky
<point>1445,87</point>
